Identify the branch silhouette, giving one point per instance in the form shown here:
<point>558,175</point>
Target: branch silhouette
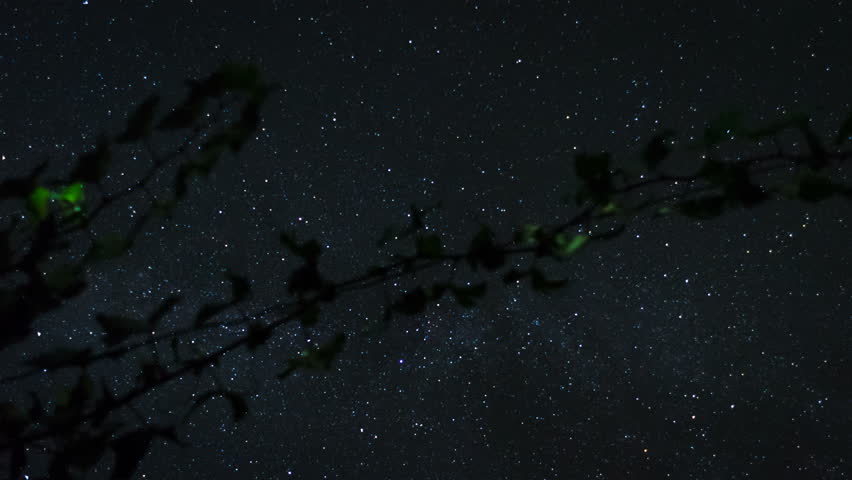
<point>82,427</point>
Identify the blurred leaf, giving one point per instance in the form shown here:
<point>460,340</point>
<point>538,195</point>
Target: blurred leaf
<point>770,129</point>
<point>239,406</point>
<point>610,208</point>
<point>309,250</point>
<point>305,279</point>
<point>240,287</point>
<point>93,166</point>
<point>813,187</point>
<point>184,115</point>
<point>258,334</point>
<point>702,208</point>
<point>723,127</point>
<point>208,311</point>
<point>819,156</point>
<point>17,461</point>
<point>316,358</point>
<point>657,149</point>
<point>118,328</point>
<point>73,194</point>
<point>13,420</point>
<point>241,77</point>
<point>483,251</point>
<point>109,246</point>
<point>541,283</point>
<point>165,307</point>
<point>467,295</point>
<point>129,450</point>
<point>845,131</point>
<point>566,247</point>
<point>310,316</point>
<point>61,357</point>
<point>66,280</point>
<point>513,276</point>
<point>593,171</point>
<point>413,302</point>
<point>37,203</point>
<point>528,234</point>
<point>140,122</point>
<point>429,246</point>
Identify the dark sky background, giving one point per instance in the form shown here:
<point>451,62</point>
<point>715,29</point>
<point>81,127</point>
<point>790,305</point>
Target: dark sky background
<point>700,350</point>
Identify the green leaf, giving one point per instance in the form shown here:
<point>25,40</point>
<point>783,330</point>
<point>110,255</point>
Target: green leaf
<point>141,121</point>
<point>565,247</point>
<point>657,149</point>
<point>429,246</point>
<point>37,203</point>
<point>109,246</point>
<point>528,235</point>
<point>467,295</point>
<point>73,194</point>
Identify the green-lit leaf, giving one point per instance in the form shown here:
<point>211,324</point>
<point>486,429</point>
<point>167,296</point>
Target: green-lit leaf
<point>467,295</point>
<point>610,208</point>
<point>140,122</point>
<point>109,246</point>
<point>657,149</point>
<point>73,194</point>
<point>429,246</point>
<point>528,234</point>
<point>38,203</point>
<point>566,246</point>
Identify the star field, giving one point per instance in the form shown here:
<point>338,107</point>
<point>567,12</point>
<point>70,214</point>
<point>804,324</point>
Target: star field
<point>682,349</point>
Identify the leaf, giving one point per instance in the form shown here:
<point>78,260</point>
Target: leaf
<point>37,203</point>
<point>813,187</point>
<point>165,307</point>
<point>528,234</point>
<point>593,171</point>
<point>513,276</point>
<point>240,287</point>
<point>17,461</point>
<point>317,358</point>
<point>239,406</point>
<point>657,149</point>
<point>118,328</point>
<point>483,251</point>
<point>13,420</point>
<point>819,156</point>
<point>429,246</point>
<point>184,115</point>
<point>725,125</point>
<point>770,129</point>
<point>129,451</point>
<point>93,166</point>
<point>140,122</point>
<point>110,246</point>
<point>542,284</point>
<point>565,247</point>
<point>241,77</point>
<point>66,280</point>
<point>305,279</point>
<point>257,335</point>
<point>702,208</point>
<point>61,357</point>
<point>309,250</point>
<point>845,131</point>
<point>467,295</point>
<point>310,316</point>
<point>412,302</point>
<point>208,311</point>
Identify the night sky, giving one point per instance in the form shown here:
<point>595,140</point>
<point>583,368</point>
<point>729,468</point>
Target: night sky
<point>683,349</point>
